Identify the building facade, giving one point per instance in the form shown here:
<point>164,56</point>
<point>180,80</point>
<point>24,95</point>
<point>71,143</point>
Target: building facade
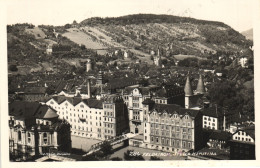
<point>242,145</point>
<point>133,98</point>
<point>171,128</point>
<point>35,130</point>
<point>92,118</point>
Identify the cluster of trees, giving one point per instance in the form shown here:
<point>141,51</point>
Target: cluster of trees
<point>144,19</point>
<point>59,47</point>
<point>229,35</point>
<point>231,92</point>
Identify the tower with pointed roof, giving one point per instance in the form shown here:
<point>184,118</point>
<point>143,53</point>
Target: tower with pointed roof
<point>188,92</point>
<point>200,87</point>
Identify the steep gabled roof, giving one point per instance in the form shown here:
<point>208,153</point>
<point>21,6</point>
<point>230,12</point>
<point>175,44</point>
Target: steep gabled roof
<point>93,103</point>
<point>45,112</point>
<point>215,112</point>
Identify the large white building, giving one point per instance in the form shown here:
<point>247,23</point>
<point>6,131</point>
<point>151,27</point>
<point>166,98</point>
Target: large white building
<point>92,118</point>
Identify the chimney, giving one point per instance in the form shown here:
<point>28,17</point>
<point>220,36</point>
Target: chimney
<point>89,92</point>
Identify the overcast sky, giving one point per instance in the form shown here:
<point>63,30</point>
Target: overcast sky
<point>236,13</point>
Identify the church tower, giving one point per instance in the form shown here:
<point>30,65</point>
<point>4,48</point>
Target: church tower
<point>200,87</point>
<point>157,59</point>
<point>188,92</point>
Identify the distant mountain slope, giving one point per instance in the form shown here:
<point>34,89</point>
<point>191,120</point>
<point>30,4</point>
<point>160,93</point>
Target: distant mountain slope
<point>174,35</point>
<point>248,34</point>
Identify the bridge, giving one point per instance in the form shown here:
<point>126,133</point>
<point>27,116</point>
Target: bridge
<point>113,141</point>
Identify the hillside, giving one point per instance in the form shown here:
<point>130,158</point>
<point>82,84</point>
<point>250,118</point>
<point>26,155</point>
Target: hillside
<point>248,34</point>
<point>139,34</point>
<point>174,35</point>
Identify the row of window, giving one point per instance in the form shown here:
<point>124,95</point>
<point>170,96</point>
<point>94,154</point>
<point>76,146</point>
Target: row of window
<point>213,124</point>
<point>136,117</point>
<point>108,131</point>
<point>107,106</point>
<point>108,125</point>
<point>108,114</point>
<point>242,139</point>
<point>209,119</point>
<point>172,122</point>
<point>173,116</point>
<point>56,108</point>
<point>161,101</point>
<point>45,137</point>
<point>153,125</point>
<point>175,143</point>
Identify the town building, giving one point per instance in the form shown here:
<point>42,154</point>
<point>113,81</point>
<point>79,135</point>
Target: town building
<point>242,145</point>
<point>219,139</point>
<point>133,98</point>
<point>34,129</point>
<point>169,94</point>
<point>216,118</point>
<point>170,127</point>
<point>34,94</point>
<point>92,118</point>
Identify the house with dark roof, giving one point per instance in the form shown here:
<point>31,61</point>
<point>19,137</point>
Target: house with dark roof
<point>33,94</point>
<point>217,118</point>
<point>242,144</point>
<point>170,94</point>
<point>219,139</point>
<point>35,129</point>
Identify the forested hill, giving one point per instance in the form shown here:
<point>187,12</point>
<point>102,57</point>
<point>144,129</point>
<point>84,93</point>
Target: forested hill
<point>175,35</point>
<point>147,18</point>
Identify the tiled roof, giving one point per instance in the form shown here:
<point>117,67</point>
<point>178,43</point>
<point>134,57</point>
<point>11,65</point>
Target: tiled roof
<point>46,112</point>
<point>169,91</point>
<point>35,90</point>
<point>73,100</point>
<point>213,112</point>
<point>94,103</point>
<point>148,101</point>
<point>23,108</point>
<point>172,108</point>
<point>220,135</point>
